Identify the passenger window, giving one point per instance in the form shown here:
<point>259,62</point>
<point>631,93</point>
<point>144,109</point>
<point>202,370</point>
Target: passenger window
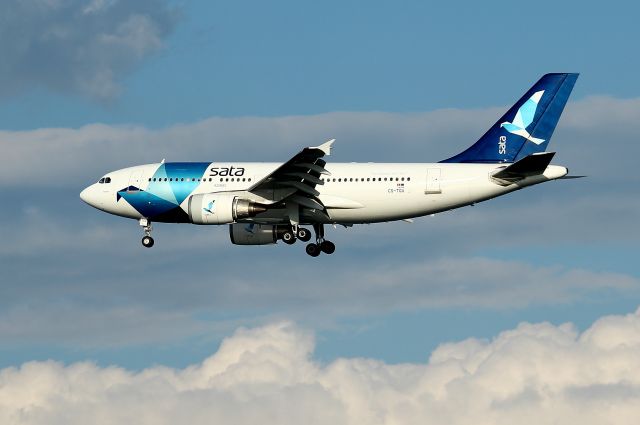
<point>408,178</point>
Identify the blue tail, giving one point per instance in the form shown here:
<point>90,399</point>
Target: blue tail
<point>527,127</point>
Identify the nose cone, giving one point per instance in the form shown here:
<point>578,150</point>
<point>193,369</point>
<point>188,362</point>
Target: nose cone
<point>88,196</point>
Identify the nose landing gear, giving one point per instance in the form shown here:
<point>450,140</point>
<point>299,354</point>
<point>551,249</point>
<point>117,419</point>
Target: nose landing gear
<point>147,240</point>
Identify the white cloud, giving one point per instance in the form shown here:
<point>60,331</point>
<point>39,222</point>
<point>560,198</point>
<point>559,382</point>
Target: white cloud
<point>591,139</point>
<point>78,46</point>
<point>177,292</point>
<point>533,374</point>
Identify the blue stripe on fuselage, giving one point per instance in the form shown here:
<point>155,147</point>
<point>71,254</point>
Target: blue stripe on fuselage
<point>174,182</point>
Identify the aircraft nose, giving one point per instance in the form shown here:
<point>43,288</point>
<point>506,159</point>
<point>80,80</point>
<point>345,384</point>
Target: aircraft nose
<point>85,195</point>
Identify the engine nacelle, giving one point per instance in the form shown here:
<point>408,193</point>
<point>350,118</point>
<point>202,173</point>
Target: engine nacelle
<point>221,208</point>
<point>253,234</point>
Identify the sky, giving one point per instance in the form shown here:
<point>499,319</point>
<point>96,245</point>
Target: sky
<point>524,306</point>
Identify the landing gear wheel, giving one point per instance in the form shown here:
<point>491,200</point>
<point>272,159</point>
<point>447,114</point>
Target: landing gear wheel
<point>304,235</point>
<point>313,249</point>
<point>328,247</point>
<point>147,241</point>
<point>288,237</point>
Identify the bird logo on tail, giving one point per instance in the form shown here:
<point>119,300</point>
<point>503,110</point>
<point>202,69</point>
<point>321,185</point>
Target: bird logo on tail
<point>524,118</point>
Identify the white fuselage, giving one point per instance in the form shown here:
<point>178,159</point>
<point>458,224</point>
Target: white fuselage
<point>353,192</point>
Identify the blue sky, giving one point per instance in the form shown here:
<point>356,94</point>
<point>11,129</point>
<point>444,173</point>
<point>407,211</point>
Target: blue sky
<point>92,86</point>
<point>290,58</point>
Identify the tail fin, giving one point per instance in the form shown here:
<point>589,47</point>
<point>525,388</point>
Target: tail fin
<point>527,127</point>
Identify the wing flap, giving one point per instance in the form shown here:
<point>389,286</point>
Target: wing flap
<point>306,177</point>
<point>301,187</point>
<point>313,167</point>
<point>307,202</point>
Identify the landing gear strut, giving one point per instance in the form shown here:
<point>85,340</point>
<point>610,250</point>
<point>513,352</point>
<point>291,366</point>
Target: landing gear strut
<point>147,240</point>
<point>321,245</point>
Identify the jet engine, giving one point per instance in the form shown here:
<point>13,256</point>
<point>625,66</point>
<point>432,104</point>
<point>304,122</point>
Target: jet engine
<point>221,208</point>
<point>254,234</point>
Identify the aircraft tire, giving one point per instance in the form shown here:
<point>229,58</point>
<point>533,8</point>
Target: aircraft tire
<point>288,238</point>
<point>328,247</point>
<point>304,235</point>
<point>313,249</point>
<point>147,241</point>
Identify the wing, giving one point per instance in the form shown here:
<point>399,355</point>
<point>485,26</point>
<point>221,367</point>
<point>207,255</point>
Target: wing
<point>294,181</point>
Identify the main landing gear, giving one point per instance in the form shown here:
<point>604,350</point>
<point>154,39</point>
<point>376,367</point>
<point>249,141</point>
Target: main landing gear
<point>291,235</point>
<point>313,249</point>
<point>147,240</point>
<point>321,245</point>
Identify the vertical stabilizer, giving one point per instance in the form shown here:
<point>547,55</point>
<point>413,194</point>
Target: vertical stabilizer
<point>527,127</point>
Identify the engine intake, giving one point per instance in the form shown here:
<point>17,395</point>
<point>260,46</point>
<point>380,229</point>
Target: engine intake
<point>221,208</point>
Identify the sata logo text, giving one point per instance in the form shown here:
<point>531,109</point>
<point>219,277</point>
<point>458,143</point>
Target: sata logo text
<point>502,145</point>
<point>226,171</point>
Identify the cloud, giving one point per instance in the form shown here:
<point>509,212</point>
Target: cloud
<point>535,373</point>
<point>591,139</point>
<point>78,46</point>
<point>105,291</point>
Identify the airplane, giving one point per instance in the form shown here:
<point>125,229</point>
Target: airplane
<point>263,203</point>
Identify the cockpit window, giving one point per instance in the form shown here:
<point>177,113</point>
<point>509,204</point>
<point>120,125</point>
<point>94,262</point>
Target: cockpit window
<point>107,179</point>
<point>101,180</point>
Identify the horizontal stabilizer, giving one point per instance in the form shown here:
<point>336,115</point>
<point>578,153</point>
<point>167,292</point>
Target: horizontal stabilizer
<point>530,165</point>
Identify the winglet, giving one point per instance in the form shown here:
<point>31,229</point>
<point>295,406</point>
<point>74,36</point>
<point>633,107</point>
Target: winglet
<point>325,147</point>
